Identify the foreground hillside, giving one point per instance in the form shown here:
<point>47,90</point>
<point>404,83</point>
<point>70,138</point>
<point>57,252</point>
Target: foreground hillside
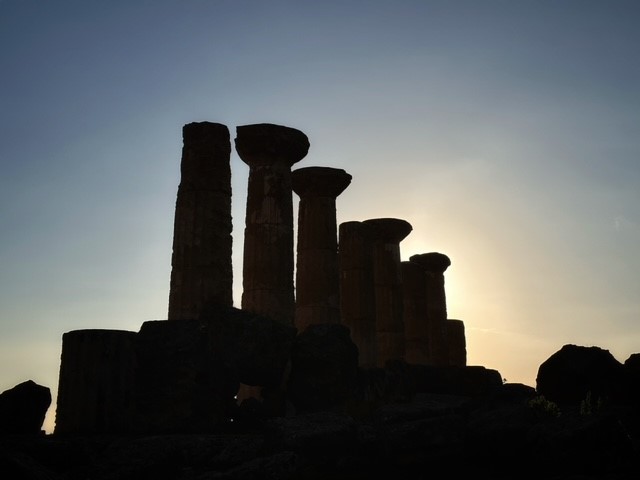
<point>461,422</point>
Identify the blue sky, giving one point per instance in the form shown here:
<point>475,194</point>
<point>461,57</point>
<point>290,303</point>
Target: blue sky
<point>506,132</point>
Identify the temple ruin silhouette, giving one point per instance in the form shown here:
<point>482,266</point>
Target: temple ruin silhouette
<point>183,374</point>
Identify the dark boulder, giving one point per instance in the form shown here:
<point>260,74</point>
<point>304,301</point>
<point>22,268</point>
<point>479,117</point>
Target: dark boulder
<point>576,373</point>
<point>23,408</point>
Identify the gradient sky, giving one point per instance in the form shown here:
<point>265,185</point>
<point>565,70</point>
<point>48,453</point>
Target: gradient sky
<point>506,132</point>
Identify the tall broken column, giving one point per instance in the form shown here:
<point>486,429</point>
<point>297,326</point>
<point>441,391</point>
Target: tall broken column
<point>457,343</point>
<point>317,277</point>
<point>416,332</point>
<point>387,278</point>
<point>201,260</point>
<point>267,273</point>
<point>434,265</point>
<point>357,293</point>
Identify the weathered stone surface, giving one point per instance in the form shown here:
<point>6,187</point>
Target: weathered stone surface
<point>434,265</point>
<point>387,279</point>
<point>202,243</point>
<point>183,385</point>
<point>189,371</point>
<point>357,291</point>
<point>324,362</point>
<point>457,343</point>
<point>97,382</point>
<point>23,408</point>
<point>416,331</point>
<point>254,347</point>
<point>267,275</point>
<point>574,371</point>
<point>317,275</point>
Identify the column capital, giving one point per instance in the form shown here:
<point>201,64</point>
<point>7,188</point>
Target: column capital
<point>432,262</point>
<point>319,181</point>
<point>267,144</point>
<point>353,226</point>
<point>389,229</point>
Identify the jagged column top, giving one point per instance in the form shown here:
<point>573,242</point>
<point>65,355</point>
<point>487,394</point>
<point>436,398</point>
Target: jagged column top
<point>206,132</point>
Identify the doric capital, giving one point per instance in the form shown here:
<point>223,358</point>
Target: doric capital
<point>390,229</point>
<point>319,181</point>
<point>267,144</point>
<point>432,262</point>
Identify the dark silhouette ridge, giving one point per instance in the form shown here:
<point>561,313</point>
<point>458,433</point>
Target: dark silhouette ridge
<point>401,418</point>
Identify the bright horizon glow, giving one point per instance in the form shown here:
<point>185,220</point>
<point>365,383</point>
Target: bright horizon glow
<point>506,133</point>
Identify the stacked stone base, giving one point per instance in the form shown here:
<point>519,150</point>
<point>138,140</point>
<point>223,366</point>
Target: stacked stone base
<point>169,377</point>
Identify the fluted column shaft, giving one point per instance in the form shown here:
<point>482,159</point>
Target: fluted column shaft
<point>96,385</point>
<point>416,332</point>
<point>357,294</point>
<point>317,277</point>
<point>201,260</point>
<point>434,265</point>
<point>387,276</point>
<point>457,343</point>
<point>267,273</point>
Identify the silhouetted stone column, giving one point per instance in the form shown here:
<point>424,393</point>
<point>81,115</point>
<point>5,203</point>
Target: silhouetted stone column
<point>434,265</point>
<point>270,151</point>
<point>96,385</point>
<point>416,332</point>
<point>201,260</point>
<point>387,276</point>
<point>357,294</point>
<point>317,276</point>
<point>457,343</point>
